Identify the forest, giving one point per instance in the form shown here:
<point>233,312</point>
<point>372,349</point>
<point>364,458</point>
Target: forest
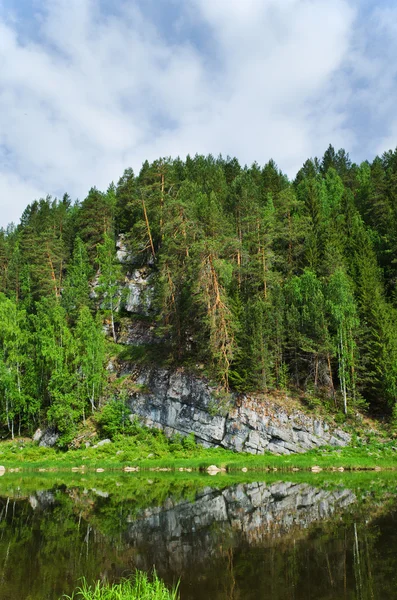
<point>272,284</point>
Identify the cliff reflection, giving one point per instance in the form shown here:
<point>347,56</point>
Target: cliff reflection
<point>177,536</point>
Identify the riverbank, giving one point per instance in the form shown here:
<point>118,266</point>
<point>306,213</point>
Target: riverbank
<point>153,452</point>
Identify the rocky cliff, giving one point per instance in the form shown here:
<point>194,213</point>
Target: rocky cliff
<point>179,402</point>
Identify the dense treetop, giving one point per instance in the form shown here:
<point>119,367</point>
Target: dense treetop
<point>270,283</point>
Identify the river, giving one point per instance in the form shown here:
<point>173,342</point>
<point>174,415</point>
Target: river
<point>289,537</point>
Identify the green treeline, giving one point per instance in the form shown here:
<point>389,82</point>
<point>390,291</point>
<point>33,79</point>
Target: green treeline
<point>269,283</point>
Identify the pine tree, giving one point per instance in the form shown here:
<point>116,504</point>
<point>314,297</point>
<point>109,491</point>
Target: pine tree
<point>307,327</point>
<point>76,291</point>
<point>125,194</point>
<point>43,246</point>
<point>95,219</point>
<point>174,289</point>
<point>214,275</point>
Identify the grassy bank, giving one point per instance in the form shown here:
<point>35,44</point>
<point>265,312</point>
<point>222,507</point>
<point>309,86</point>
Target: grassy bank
<point>154,452</point>
<point>138,587</point>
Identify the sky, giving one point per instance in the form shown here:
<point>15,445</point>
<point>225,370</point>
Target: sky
<point>89,88</point>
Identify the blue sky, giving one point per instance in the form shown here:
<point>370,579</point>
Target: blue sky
<point>91,87</point>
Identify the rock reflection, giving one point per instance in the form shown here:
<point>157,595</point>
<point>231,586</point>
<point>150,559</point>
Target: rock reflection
<point>176,536</point>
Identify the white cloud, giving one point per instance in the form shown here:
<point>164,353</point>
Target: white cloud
<point>15,193</point>
<point>380,69</point>
<point>93,93</point>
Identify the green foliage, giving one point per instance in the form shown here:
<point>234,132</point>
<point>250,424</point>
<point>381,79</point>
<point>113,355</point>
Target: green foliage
<point>221,404</point>
<point>189,442</point>
<point>114,419</point>
<point>151,450</point>
<point>90,357</point>
<point>344,317</point>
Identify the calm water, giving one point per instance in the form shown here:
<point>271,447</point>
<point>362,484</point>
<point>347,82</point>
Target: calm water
<point>320,539</point>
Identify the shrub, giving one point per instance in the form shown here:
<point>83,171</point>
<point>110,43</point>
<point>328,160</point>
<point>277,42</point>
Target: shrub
<point>114,418</point>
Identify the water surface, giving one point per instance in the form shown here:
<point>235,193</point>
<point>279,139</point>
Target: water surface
<point>320,538</point>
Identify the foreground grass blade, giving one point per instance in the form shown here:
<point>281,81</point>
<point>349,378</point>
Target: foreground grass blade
<point>139,587</point>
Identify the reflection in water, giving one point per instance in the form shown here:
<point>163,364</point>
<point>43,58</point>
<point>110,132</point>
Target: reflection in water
<point>280,540</point>
<point>182,535</point>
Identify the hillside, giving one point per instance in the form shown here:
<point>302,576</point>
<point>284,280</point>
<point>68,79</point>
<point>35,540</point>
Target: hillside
<point>260,283</point>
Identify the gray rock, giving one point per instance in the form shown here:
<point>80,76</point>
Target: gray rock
<point>49,438</point>
<point>337,442</point>
<point>38,434</point>
<point>183,403</point>
<point>41,499</point>
<point>342,435</point>
<point>137,333</point>
<point>103,443</point>
<point>124,256</point>
<point>138,290</point>
<point>100,493</point>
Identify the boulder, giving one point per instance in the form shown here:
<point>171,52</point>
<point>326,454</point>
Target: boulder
<point>102,443</point>
<point>49,438</point>
<point>38,434</point>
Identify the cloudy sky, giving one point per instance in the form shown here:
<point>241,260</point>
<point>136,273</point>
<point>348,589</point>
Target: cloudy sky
<point>91,87</point>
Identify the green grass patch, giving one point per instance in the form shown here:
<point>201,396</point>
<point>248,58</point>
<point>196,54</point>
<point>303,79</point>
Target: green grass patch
<point>150,449</point>
<point>139,587</point>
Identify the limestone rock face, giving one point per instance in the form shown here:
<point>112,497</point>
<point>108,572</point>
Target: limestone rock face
<point>180,402</point>
<point>124,256</point>
<point>138,290</point>
<point>41,500</point>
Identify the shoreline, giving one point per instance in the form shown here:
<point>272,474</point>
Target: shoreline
<point>212,461</point>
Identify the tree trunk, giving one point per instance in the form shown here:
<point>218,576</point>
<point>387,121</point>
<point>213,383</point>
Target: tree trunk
<point>148,228</point>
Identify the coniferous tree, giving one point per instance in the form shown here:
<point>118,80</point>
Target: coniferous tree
<point>95,219</point>
<point>76,291</point>
<point>308,327</point>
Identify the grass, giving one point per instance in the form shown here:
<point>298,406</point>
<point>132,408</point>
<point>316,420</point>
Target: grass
<point>151,450</point>
<point>139,587</point>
